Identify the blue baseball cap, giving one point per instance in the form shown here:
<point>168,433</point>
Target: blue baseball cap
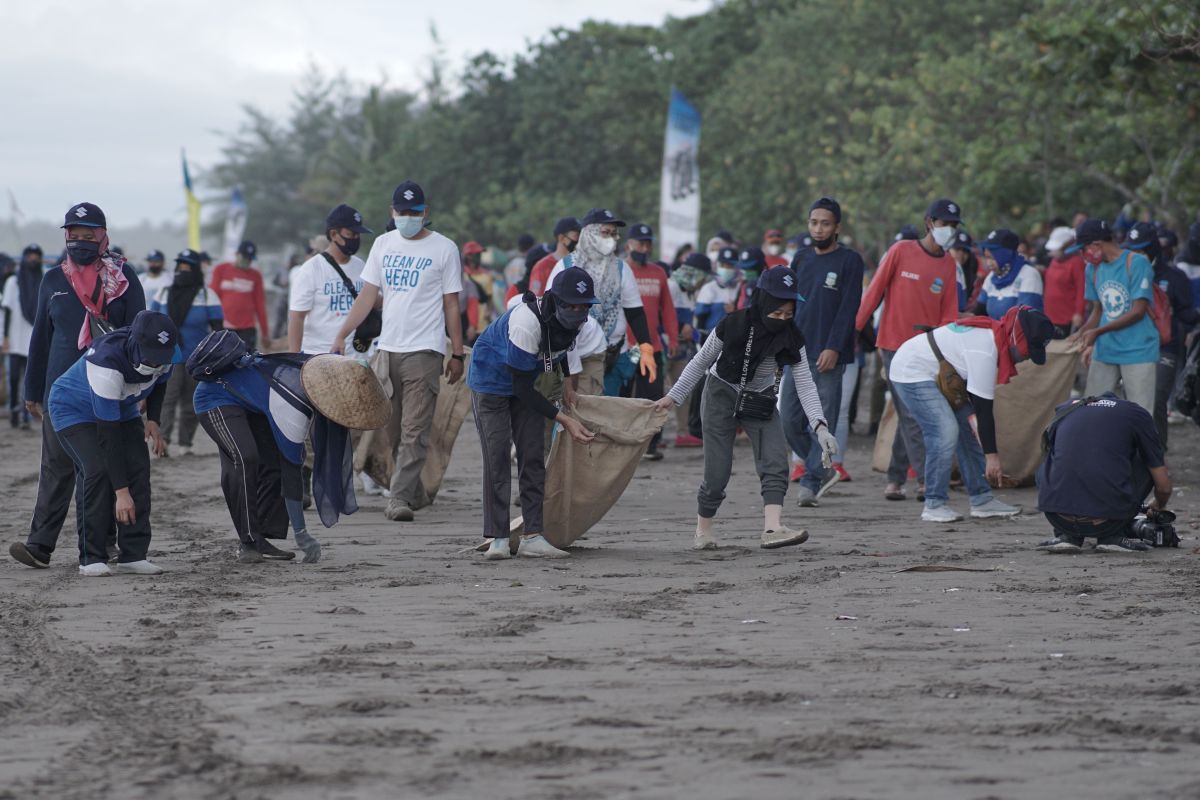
<point>574,287</point>
<point>1090,231</point>
<point>1001,238</point>
<point>343,216</point>
<point>88,215</point>
<point>601,216</point>
<point>944,209</point>
<point>779,282</point>
<point>156,337</point>
<point>641,232</point>
<point>752,258</point>
<point>408,197</point>
<point>728,256</point>
<point>565,226</point>
<point>907,232</point>
<point>155,255</point>
<point>699,261</point>
<point>963,241</point>
<point>188,257</point>
<point>1140,236</point>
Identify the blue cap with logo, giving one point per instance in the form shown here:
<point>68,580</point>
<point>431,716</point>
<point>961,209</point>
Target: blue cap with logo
<point>343,216</point>
<point>779,282</point>
<point>1001,239</point>
<point>641,232</point>
<point>88,215</point>
<point>1090,231</point>
<point>188,256</point>
<point>155,255</point>
<point>1140,236</point>
<point>575,287</point>
<point>944,209</point>
<point>601,216</point>
<point>752,258</point>
<point>409,196</point>
<point>156,337</point>
<point>728,256</point>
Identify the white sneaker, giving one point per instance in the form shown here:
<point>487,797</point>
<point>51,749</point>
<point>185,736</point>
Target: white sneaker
<point>782,537</point>
<point>142,567</point>
<point>97,570</point>
<point>941,514</point>
<point>994,508</point>
<point>704,541</point>
<point>183,451</point>
<point>498,550</point>
<point>805,498</point>
<point>538,547</point>
<point>370,487</point>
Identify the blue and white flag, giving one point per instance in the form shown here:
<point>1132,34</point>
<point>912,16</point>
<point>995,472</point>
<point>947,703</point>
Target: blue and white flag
<point>235,224</point>
<point>679,210</point>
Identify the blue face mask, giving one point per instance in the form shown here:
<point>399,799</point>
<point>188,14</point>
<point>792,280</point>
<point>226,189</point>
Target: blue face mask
<point>409,226</point>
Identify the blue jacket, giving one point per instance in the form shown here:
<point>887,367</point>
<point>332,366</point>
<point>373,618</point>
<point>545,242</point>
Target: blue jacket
<point>54,345</point>
<point>101,387</point>
<point>204,317</point>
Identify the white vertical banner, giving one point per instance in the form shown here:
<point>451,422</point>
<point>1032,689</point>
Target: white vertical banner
<point>679,209</point>
<point>235,224</point>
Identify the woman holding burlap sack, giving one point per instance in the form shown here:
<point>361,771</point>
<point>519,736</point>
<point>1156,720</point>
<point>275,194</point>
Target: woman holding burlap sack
<point>743,358</point>
<point>949,374</point>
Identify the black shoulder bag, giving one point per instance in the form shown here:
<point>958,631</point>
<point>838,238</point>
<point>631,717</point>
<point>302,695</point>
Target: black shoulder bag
<point>372,326</point>
<point>98,324</point>
<point>754,405</point>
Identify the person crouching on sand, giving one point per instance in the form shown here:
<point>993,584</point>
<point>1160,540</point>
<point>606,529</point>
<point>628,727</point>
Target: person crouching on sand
<point>531,338</point>
<point>743,359</point>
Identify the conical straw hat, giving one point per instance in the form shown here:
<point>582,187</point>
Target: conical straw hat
<point>346,392</point>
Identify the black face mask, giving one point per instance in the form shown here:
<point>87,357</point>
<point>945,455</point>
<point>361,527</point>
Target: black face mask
<point>473,261</point>
<point>83,252</point>
<point>349,247</point>
<point>154,269</point>
<point>776,325</point>
<point>571,319</point>
<point>572,244</point>
<point>640,258</point>
<point>822,244</point>
<point>186,280</point>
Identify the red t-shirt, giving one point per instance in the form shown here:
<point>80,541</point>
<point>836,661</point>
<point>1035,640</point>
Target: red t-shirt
<point>776,261</point>
<point>656,299</point>
<point>1063,292</point>
<point>919,289</point>
<point>242,297</point>
<point>539,276</point>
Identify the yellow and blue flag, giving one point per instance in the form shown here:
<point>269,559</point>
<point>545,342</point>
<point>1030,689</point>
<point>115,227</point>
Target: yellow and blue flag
<point>193,207</point>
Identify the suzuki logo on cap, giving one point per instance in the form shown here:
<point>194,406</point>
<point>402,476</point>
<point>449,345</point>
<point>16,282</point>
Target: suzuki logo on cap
<point>81,212</point>
<point>357,217</point>
<point>408,194</point>
<point>992,235</point>
<point>607,213</point>
<point>745,255</point>
<point>953,208</point>
<point>163,337</point>
<point>1133,234</point>
<point>581,287</point>
<point>788,281</point>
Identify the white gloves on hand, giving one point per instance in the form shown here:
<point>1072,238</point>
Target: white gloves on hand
<point>829,445</point>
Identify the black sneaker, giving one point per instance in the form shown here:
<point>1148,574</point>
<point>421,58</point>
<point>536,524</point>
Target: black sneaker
<point>30,555</point>
<point>270,551</point>
<point>248,555</point>
<point>1122,545</point>
<point>653,455</point>
<point>1062,544</point>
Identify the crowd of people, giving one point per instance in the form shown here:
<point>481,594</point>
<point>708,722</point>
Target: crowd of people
<point>769,339</point>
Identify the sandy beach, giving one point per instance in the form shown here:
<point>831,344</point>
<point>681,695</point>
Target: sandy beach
<point>403,665</point>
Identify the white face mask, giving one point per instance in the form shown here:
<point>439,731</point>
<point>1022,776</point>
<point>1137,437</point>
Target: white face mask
<point>410,226</point>
<point>774,249</point>
<point>725,275</point>
<point>944,236</point>
<point>606,245</point>
<point>712,255</point>
<point>149,371</point>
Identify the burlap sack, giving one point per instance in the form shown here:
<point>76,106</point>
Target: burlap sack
<point>583,481</point>
<point>375,454</point>
<point>1023,408</point>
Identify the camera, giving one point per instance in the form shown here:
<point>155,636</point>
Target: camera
<point>1155,528</point>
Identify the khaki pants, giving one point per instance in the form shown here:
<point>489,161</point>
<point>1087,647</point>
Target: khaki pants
<point>591,380</point>
<point>415,382</point>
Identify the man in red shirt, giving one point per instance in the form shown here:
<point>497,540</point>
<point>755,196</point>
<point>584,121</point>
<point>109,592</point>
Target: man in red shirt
<point>240,287</point>
<point>566,236</point>
<point>772,247</point>
<point>660,318</point>
<point>1064,284</point>
<point>918,281</point>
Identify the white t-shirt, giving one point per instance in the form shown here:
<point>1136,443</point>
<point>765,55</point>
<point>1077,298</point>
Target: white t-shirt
<point>413,275</point>
<point>589,342</point>
<point>712,293</point>
<point>315,287</point>
<point>971,351</point>
<point>152,284</point>
<point>679,297</point>
<point>631,297</point>
<point>20,330</point>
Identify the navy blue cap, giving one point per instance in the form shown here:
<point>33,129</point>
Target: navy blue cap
<point>641,232</point>
<point>188,257</point>
<point>699,261</point>
<point>88,215</point>
<point>728,256</point>
<point>908,232</point>
<point>963,241</point>
<point>157,338</point>
<point>1001,238</point>
<point>601,216</point>
<point>1140,236</point>
<point>565,226</point>
<point>408,197</point>
<point>829,204</point>
<point>779,282</point>
<point>247,249</point>
<point>574,286</point>
<point>204,256</point>
<point>346,217</point>
<point>945,210</point>
<point>724,236</point>
<point>1167,237</point>
<point>32,248</point>
<point>155,255</point>
<point>752,258</point>
<point>536,254</point>
<point>1090,231</point>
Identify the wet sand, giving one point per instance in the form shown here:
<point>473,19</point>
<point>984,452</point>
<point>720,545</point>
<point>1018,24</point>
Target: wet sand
<point>401,666</point>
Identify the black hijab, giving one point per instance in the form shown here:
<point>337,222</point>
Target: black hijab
<point>29,279</point>
<point>181,296</point>
<point>734,331</point>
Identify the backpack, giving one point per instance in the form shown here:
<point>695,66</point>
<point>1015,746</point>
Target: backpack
<point>1160,305</point>
<point>216,354</point>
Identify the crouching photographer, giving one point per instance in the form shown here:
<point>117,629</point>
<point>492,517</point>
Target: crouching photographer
<point>1103,456</point>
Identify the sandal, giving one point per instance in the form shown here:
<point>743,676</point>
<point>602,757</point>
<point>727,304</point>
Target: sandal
<point>894,492</point>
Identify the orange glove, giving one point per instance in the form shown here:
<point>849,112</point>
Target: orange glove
<point>646,363</point>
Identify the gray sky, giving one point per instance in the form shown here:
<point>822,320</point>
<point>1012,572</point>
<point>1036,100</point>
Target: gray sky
<point>107,127</point>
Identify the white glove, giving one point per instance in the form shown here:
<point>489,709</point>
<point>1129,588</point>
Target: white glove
<point>829,445</point>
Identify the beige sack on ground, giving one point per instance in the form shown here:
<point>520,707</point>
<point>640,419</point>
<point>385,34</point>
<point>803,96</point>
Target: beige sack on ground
<point>375,455</point>
<point>583,481</point>
<point>1023,408</point>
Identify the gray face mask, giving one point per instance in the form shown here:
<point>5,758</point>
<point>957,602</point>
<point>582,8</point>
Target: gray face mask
<point>571,319</point>
<point>149,371</point>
